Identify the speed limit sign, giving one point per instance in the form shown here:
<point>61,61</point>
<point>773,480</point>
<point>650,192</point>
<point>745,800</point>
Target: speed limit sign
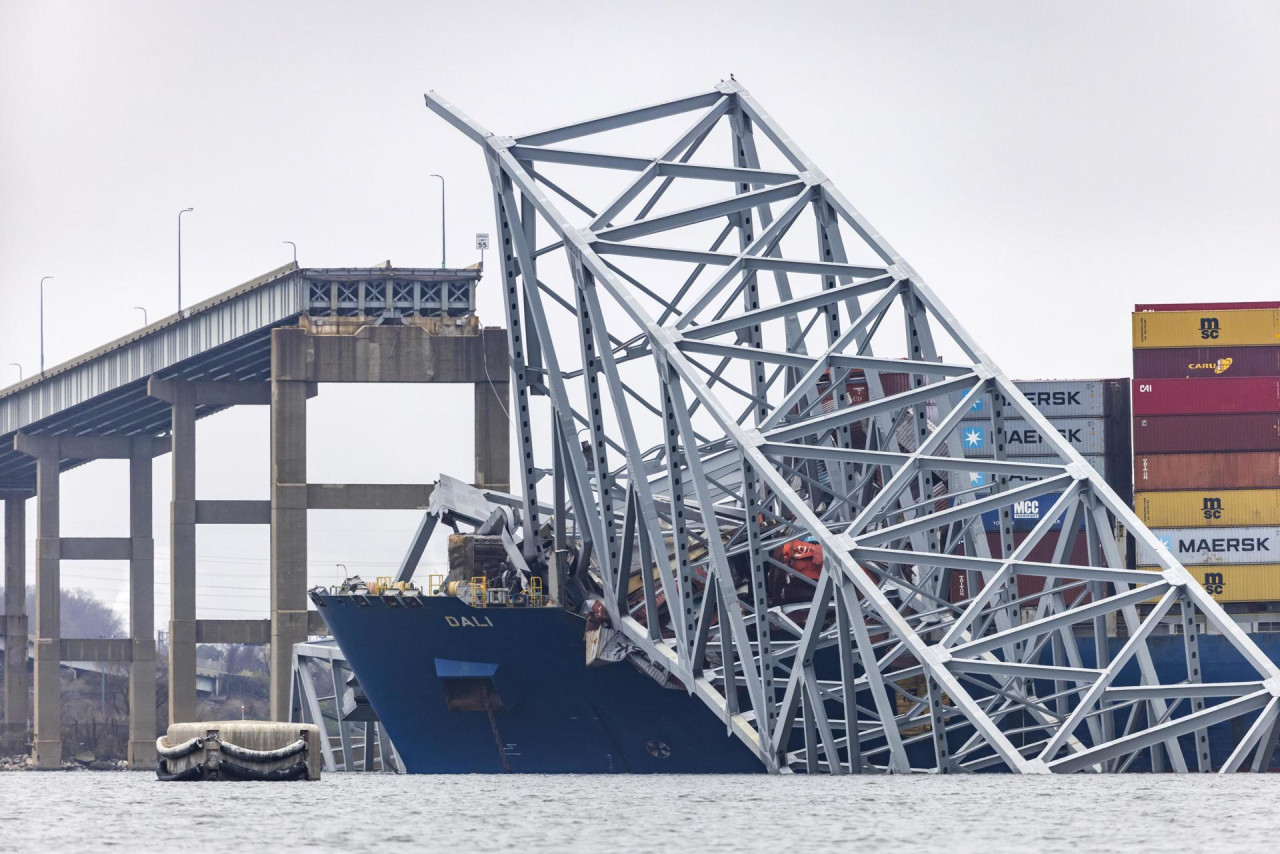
<point>482,242</point>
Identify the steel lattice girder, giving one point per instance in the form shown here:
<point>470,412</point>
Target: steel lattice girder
<point>710,387</point>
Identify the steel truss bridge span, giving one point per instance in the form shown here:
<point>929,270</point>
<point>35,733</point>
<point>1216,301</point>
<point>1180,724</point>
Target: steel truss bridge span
<point>746,362</point>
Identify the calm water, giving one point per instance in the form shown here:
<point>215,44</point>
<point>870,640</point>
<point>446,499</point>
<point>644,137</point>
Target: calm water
<point>71,812</point>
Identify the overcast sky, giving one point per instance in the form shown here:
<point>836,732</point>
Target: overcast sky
<point>1043,165</point>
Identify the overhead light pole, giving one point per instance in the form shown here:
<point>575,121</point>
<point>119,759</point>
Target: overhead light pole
<point>42,281</point>
<point>19,367</point>
<point>442,246</point>
<point>180,213</point>
<point>144,314</point>
<point>295,249</point>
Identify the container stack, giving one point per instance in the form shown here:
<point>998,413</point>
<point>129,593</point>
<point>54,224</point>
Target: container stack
<point>1092,415</point>
<point>1206,442</point>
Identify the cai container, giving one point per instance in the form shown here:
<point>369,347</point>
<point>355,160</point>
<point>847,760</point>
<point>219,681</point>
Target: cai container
<point>1242,470</point>
<point>1238,583</point>
<point>1212,507</point>
<point>1206,362</point>
<point>1183,434</point>
<point>1253,327</point>
<point>1221,396</point>
<point>1202,546</point>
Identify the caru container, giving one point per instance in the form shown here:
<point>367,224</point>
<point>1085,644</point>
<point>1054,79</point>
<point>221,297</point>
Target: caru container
<point>1206,362</point>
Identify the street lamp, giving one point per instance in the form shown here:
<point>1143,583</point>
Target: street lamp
<point>295,249</point>
<point>180,213</point>
<point>19,367</point>
<point>42,281</point>
<point>442,252</point>
<point>144,313</point>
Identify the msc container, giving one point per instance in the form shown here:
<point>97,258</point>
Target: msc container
<point>1206,396</point>
<point>1258,582</point>
<point>1086,435</point>
<point>1200,546</point>
<point>1256,327</point>
<point>1251,470</point>
<point>1182,434</point>
<point>1062,398</point>
<point>1219,507</point>
<point>1207,362</point>
<point>1203,306</point>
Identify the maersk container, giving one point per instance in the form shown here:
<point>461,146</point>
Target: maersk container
<point>1257,327</point>
<point>1086,435</point>
<point>1200,546</point>
<point>1243,470</point>
<point>1206,362</point>
<point>1259,582</point>
<point>1063,398</point>
<point>1220,396</point>
<point>1188,434</point>
<point>984,478</point>
<point>1216,508</point>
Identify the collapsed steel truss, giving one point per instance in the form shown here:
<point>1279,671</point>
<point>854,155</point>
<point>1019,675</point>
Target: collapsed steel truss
<point>716,425</point>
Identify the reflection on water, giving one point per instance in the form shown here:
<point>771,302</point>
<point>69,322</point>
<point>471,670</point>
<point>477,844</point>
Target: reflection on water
<point>69,812</point>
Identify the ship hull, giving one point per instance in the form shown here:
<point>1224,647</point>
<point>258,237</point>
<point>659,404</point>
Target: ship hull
<point>493,690</point>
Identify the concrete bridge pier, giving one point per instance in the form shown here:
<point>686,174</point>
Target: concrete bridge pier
<point>16,685</point>
<point>138,651</point>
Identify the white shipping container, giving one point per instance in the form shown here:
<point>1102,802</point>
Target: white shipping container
<point>1054,399</point>
<point>1086,435</point>
<point>1204,546</point>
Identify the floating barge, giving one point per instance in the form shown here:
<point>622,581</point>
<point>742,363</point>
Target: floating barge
<point>239,750</point>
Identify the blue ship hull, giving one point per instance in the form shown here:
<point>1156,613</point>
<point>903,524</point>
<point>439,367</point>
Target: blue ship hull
<point>465,690</point>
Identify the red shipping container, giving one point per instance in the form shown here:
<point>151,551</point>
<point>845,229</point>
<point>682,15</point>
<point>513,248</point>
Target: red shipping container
<point>1203,306</point>
<point>1206,396</point>
<point>1213,362</point>
<point>1255,470</point>
<point>1181,434</point>
<point>1042,552</point>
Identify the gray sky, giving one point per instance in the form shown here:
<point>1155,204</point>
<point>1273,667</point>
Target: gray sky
<point>1043,165</point>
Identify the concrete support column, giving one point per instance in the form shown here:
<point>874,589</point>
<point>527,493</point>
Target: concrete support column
<point>16,686</point>
<point>142,609</point>
<point>288,533</point>
<point>47,751</point>
<point>182,558</point>
<point>493,436</point>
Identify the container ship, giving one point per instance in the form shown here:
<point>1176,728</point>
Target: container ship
<point>487,679</point>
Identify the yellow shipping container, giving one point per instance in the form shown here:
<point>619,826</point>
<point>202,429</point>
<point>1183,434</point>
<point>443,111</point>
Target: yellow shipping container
<point>1219,507</point>
<point>1238,328</point>
<point>1237,582</point>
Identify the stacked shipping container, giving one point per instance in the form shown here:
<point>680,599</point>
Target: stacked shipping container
<point>1206,441</point>
<point>1092,415</point>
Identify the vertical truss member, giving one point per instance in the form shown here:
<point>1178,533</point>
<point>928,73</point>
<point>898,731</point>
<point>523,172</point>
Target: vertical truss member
<point>748,365</point>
